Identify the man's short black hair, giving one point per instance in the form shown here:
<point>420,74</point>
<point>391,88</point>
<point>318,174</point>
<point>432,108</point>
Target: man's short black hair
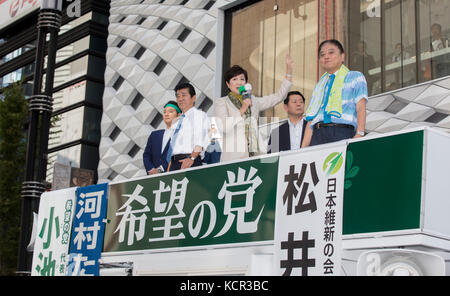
<point>294,92</point>
<point>235,71</point>
<point>184,86</point>
<point>334,42</point>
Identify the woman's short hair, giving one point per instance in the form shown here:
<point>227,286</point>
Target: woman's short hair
<point>334,42</point>
<point>235,71</point>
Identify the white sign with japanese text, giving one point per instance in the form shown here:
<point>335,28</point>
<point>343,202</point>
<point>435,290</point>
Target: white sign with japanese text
<point>56,212</point>
<point>12,10</point>
<point>308,222</point>
<point>88,228</point>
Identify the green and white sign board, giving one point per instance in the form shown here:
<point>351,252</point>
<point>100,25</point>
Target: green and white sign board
<point>382,191</point>
<point>397,190</point>
<point>225,204</point>
<point>308,222</point>
<point>51,246</point>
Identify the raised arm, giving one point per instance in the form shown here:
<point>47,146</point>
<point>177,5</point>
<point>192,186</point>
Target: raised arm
<point>269,101</point>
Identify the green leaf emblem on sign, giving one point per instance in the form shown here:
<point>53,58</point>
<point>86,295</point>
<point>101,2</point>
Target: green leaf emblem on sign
<point>333,163</point>
<point>350,172</point>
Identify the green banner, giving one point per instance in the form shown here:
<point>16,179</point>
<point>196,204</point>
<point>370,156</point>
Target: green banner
<point>224,204</point>
<point>383,183</point>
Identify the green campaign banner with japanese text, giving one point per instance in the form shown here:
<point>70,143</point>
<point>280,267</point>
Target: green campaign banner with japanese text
<point>226,204</point>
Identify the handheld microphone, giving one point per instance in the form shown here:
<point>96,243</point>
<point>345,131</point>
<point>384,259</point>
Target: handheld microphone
<point>245,91</point>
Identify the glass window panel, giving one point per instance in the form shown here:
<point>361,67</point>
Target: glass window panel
<point>77,156</point>
<point>92,121</point>
<point>399,44</point>
<point>409,46</point>
<point>364,44</point>
<point>71,49</point>
<point>247,45</point>
<point>17,52</point>
<point>69,95</point>
<point>267,52</point>
<point>394,43</point>
<point>17,75</point>
<point>296,35</point>
<point>76,22</point>
<point>100,18</point>
<point>66,127</point>
<point>269,36</point>
<point>434,34</point>
<point>70,71</point>
<point>70,156</point>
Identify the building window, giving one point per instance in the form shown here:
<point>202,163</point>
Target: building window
<point>112,176</point>
<point>118,83</point>
<point>156,121</point>
<point>396,44</point>
<point>134,150</point>
<point>400,43</point>
<point>206,104</point>
<point>160,67</point>
<point>121,42</point>
<point>184,34</point>
<point>162,25</point>
<point>17,52</point>
<point>139,53</point>
<point>209,5</point>
<point>268,36</point>
<point>115,133</point>
<point>17,75</point>
<point>137,101</point>
<point>141,20</point>
<point>434,39</point>
<point>207,49</point>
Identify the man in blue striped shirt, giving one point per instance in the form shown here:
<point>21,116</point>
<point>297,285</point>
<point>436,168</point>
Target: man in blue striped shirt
<point>337,109</point>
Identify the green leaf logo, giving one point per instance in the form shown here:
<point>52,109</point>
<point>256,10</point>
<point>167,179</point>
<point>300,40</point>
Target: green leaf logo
<point>333,163</point>
<point>350,172</point>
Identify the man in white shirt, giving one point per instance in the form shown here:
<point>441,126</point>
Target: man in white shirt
<point>289,135</point>
<point>190,137</point>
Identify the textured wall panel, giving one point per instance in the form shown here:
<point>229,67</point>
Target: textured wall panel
<point>152,46</point>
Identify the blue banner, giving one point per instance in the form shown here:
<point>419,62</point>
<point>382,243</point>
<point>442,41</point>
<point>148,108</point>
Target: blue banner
<point>88,230</point>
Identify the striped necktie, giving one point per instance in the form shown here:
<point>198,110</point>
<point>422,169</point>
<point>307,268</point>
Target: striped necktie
<point>326,117</point>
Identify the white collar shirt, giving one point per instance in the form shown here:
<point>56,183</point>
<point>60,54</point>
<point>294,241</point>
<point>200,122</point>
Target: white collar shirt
<point>168,132</point>
<point>295,134</point>
<point>193,132</point>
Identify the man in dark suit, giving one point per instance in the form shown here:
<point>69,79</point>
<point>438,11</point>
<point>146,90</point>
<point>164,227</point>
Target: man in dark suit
<point>155,152</point>
<point>289,136</point>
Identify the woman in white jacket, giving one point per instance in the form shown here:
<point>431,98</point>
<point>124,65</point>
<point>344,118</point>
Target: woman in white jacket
<point>237,116</point>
